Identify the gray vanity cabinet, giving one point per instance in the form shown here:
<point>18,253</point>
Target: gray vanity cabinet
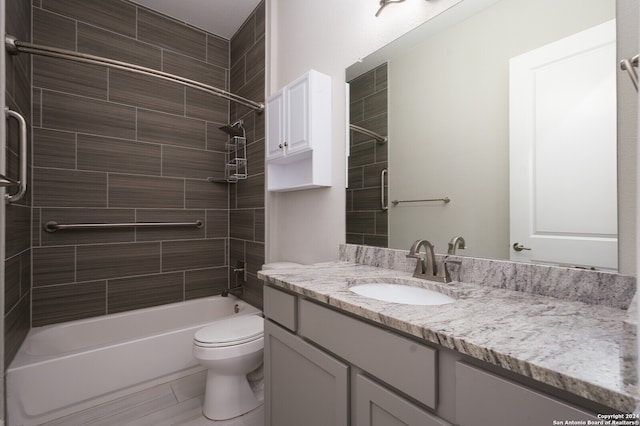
<point>484,399</point>
<point>303,385</point>
<point>376,405</point>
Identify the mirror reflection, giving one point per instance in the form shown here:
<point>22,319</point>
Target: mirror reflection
<point>509,113</point>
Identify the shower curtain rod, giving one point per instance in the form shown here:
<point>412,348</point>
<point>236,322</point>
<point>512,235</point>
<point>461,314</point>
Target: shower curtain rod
<point>381,139</point>
<point>15,46</point>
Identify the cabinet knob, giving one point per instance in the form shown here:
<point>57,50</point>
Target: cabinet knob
<point>280,146</point>
<point>286,144</point>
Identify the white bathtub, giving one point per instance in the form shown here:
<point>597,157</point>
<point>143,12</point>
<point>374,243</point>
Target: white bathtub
<point>64,368</point>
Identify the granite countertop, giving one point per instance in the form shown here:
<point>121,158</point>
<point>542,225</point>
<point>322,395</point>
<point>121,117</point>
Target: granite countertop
<point>569,345</point>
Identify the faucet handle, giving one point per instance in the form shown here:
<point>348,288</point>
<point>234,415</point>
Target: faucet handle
<point>443,270</point>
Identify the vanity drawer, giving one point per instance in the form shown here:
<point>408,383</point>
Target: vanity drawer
<point>400,362</point>
<point>280,307</point>
<point>484,399</point>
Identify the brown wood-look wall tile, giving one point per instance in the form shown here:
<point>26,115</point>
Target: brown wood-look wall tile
<point>18,224</point>
<point>371,174</point>
<point>170,233</point>
<point>145,192</point>
<point>68,302</point>
<point>362,86</point>
<point>252,293</point>
<point>375,104</point>
<point>356,115</point>
<point>206,195</point>
<point>218,51</point>
<point>205,282</point>
<point>84,115</point>
<point>382,223</point>
<point>355,177</point>
<point>382,153</point>
<point>35,228</point>
<point>25,279</point>
<point>154,126</point>
<point>36,97</point>
<point>216,138</point>
<point>243,39</point>
<point>110,45</point>
<point>361,222</point>
<point>170,34</point>
<point>22,93</point>
<point>88,236</point>
<point>191,163</point>
<point>12,278</point>
<point>19,12</point>
<point>54,149</point>
<point>53,265</point>
<point>355,239</point>
<point>125,294</point>
<point>366,199</point>
<point>250,192</point>
<point>103,261</point>
<point>192,254</point>
<point>113,15</point>
<point>236,254</point>
<point>194,69</point>
<point>376,240</point>
<point>68,188</point>
<point>259,227</point>
<point>52,29</point>
<point>217,223</point>
<point>362,154</point>
<point>241,224</point>
<point>70,77</point>
<point>260,19</point>
<point>381,77</point>
<point>100,153</point>
<point>255,156</point>
<point>237,75</point>
<point>16,326</point>
<point>205,106</point>
<point>254,256</point>
<point>255,59</point>
<point>142,91</point>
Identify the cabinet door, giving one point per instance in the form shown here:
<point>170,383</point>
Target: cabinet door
<point>378,406</point>
<point>275,125</point>
<point>303,385</point>
<point>484,399</point>
<point>298,115</point>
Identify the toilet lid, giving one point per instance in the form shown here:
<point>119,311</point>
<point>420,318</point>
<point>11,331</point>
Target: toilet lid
<point>231,331</point>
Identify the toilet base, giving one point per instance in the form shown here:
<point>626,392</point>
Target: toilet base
<point>227,397</point>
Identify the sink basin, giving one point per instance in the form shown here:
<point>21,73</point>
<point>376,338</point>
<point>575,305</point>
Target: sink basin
<point>401,293</point>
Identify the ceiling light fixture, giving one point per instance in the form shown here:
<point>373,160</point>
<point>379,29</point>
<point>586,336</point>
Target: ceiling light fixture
<point>384,3</point>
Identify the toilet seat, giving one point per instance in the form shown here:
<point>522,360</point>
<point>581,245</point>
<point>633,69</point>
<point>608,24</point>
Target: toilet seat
<point>230,332</point>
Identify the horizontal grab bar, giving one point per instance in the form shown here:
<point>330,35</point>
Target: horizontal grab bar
<point>53,226</point>
<point>444,200</point>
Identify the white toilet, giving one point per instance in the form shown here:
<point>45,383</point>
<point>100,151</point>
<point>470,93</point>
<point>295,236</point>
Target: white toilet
<point>230,349</point>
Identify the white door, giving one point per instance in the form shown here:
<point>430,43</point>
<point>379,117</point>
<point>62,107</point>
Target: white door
<point>275,125</point>
<point>563,194</point>
<point>298,115</point>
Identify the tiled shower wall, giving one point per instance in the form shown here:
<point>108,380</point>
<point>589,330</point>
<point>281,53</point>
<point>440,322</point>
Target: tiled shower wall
<point>247,197</point>
<point>366,221</point>
<point>112,146</point>
<point>17,296</point>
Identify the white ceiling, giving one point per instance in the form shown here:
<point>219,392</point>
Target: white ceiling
<point>220,17</point>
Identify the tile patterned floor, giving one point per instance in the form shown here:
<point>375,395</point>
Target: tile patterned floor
<point>178,403</point>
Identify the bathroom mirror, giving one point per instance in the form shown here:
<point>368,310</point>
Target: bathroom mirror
<point>441,94</point>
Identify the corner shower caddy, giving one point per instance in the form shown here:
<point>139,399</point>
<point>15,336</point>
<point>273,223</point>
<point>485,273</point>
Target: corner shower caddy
<point>235,167</point>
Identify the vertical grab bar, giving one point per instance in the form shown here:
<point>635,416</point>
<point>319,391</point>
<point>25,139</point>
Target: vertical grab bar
<point>383,203</point>
<point>22,182</point>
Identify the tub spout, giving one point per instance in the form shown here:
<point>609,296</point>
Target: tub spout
<point>233,290</point>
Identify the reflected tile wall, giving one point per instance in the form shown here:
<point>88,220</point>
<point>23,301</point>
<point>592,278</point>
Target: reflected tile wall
<point>366,221</point>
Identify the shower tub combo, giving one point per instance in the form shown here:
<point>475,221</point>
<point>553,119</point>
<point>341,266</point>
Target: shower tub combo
<point>68,367</point>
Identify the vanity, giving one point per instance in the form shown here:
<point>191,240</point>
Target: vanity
<point>493,356</point>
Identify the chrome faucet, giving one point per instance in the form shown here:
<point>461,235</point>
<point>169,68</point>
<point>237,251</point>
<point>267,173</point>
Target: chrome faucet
<point>427,268</point>
<point>456,243</point>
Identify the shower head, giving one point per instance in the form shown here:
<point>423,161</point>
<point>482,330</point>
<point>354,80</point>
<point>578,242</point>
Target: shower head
<point>235,129</point>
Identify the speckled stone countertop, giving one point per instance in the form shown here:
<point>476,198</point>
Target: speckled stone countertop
<point>570,345</point>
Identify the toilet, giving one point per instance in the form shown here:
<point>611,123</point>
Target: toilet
<point>230,349</point>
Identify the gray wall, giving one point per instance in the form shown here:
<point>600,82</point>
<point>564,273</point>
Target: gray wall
<point>366,221</point>
<point>17,296</point>
<point>110,146</point>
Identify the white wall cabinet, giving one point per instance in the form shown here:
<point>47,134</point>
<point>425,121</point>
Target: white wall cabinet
<point>298,134</point>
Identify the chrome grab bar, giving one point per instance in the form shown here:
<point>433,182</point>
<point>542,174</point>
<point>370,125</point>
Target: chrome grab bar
<point>22,181</point>
<point>628,65</point>
<point>381,139</point>
<point>53,226</point>
<point>383,203</point>
<point>444,200</point>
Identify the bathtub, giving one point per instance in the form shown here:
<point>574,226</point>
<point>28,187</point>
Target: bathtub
<point>64,368</point>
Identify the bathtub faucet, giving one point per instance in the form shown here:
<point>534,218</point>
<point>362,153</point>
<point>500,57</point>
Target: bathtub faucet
<point>233,290</point>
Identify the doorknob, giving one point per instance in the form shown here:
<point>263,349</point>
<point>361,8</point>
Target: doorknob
<point>520,247</point>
